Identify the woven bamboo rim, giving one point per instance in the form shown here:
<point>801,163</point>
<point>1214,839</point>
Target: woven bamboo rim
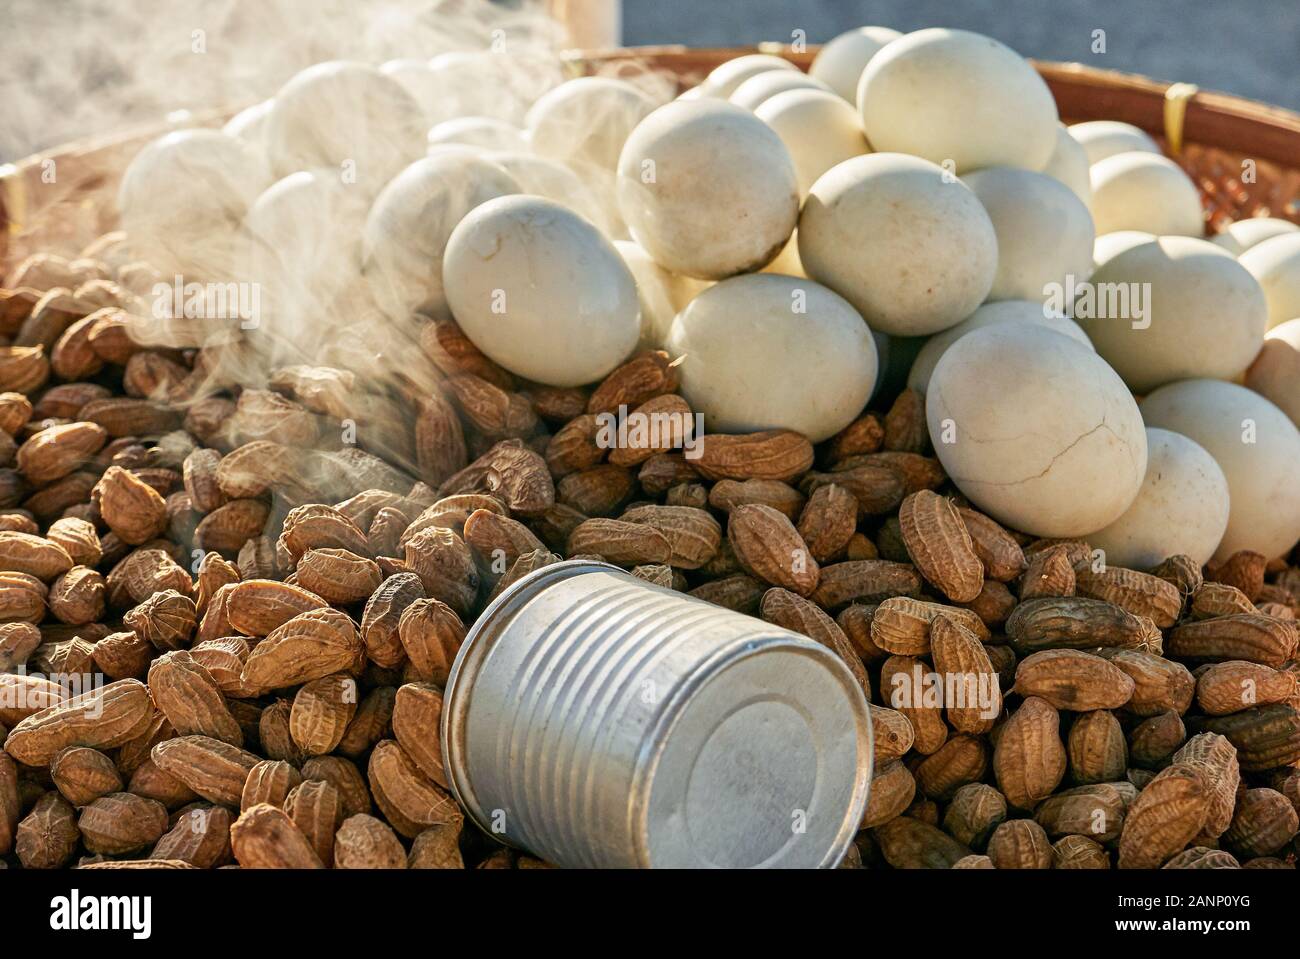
<point>1243,155</point>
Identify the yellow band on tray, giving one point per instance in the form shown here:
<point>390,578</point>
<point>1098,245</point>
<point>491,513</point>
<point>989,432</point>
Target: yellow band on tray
<point>1176,98</point>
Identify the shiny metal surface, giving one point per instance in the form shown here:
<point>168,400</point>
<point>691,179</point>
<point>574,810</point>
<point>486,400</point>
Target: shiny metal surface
<point>597,720</point>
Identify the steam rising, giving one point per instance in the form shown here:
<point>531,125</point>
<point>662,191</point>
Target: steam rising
<point>303,243</point>
<point>348,116</point>
<point>408,227</point>
<point>79,68</point>
<point>185,195</point>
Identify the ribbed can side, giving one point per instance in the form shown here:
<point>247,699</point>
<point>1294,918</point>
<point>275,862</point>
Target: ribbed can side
<point>560,687</point>
<point>569,690</point>
<point>587,708</point>
<point>581,671</point>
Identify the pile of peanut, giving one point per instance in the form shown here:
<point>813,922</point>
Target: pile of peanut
<point>227,613</point>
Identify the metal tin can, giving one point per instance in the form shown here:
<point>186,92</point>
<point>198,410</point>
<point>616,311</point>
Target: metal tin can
<point>597,720</point>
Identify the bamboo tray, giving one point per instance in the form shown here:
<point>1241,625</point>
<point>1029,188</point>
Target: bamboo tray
<point>1243,155</point>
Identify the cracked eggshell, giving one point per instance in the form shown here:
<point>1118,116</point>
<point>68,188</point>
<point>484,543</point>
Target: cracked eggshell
<point>345,115</point>
<point>662,294</point>
<point>1276,264</point>
<point>1205,315</point>
<point>1275,374</point>
<point>1239,237</point>
<point>953,95</point>
<point>1145,191</point>
<point>773,352</point>
<point>707,189</point>
<point>840,61</point>
<point>912,250</point>
<point>1256,446</point>
<point>990,314</point>
<point>1069,164</point>
<point>1105,138</point>
<point>1036,430</point>
<point>1182,507</point>
<point>723,79</point>
<point>818,128</point>
<point>407,229</point>
<point>541,291</point>
<point>757,90</point>
<point>1044,231</point>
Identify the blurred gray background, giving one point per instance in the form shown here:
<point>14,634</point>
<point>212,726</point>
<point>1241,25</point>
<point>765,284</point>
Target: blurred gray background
<point>76,68</point>
<point>1246,47</point>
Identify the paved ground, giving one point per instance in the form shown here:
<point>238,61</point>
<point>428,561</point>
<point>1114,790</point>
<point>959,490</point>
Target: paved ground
<point>1247,47</point>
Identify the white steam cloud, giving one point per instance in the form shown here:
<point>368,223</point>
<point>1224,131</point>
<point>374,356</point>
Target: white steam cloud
<point>80,68</point>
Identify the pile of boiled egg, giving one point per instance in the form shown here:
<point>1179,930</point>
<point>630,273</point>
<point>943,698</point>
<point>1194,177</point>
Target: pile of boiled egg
<point>910,210</point>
